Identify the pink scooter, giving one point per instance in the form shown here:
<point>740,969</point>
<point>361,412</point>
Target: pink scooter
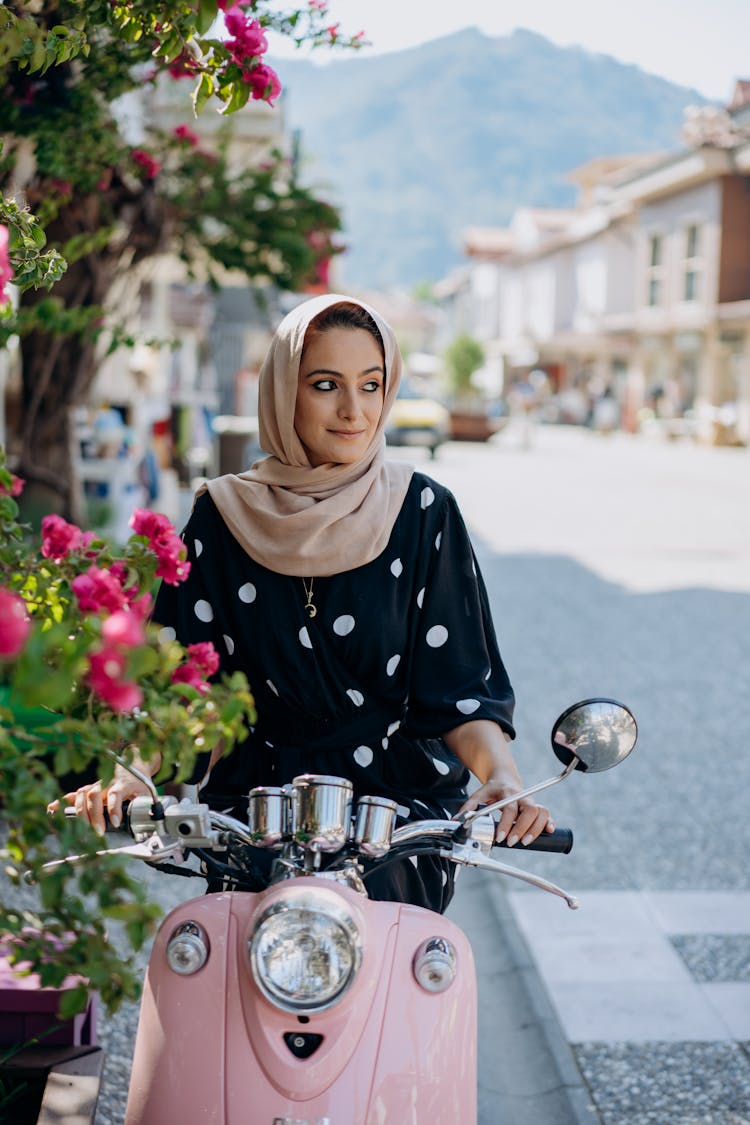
<point>308,1003</point>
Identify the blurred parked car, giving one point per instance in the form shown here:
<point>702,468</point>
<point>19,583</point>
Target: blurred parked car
<point>417,420</point>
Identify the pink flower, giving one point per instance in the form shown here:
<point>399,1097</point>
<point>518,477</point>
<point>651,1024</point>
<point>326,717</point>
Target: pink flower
<point>124,628</point>
<point>15,488</point>
<point>14,624</point>
<point>183,133</point>
<point>150,165</point>
<point>248,40</point>
<point>319,5</point>
<point>165,543</point>
<point>105,180</point>
<point>59,538</point>
<point>184,66</point>
<point>98,590</point>
<point>150,524</point>
<point>204,656</point>
<point>190,674</point>
<point>172,565</point>
<point>264,82</point>
<point>106,672</point>
<point>333,31</point>
<point>6,272</point>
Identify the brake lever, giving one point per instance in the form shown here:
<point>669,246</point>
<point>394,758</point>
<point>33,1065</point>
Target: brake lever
<point>469,855</point>
<point>150,850</point>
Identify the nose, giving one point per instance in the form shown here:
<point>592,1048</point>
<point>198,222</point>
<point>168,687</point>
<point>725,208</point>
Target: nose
<point>348,405</point>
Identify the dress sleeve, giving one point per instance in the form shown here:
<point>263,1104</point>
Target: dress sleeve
<point>457,673</point>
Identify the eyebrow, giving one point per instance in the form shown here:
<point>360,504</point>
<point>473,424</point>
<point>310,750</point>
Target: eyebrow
<point>327,371</point>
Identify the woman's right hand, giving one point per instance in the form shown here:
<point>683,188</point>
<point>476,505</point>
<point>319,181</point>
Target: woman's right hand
<point>90,801</point>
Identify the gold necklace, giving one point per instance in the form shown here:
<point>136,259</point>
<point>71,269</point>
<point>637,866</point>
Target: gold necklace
<point>309,604</point>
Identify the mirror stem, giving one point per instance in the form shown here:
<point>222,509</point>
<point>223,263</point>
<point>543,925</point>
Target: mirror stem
<point>468,817</point>
<point>136,773</point>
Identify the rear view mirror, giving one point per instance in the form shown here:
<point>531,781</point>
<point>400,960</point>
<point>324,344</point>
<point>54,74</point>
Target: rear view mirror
<point>599,732</point>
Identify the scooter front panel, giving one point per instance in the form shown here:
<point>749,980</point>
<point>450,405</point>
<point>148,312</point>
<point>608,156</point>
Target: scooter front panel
<point>179,1063</point>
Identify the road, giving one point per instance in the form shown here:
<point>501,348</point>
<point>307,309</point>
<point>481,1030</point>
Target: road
<point>615,566</point>
<point>619,566</point>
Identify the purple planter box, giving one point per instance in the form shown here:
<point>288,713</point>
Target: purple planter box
<point>28,1011</point>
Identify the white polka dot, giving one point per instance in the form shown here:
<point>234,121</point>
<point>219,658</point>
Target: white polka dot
<point>444,876</point>
<point>403,812</point>
<point>489,673</point>
<point>393,727</point>
<point>343,625</point>
<point>440,766</point>
<point>397,568</point>
<point>384,743</point>
<point>204,611</point>
<point>229,643</point>
<point>304,637</point>
<point>438,540</point>
<point>392,665</point>
<point>473,568</point>
<point>356,697</point>
<point>273,687</point>
<point>167,634</point>
<point>436,636</point>
<point>420,598</point>
<point>414,860</point>
<point>467,706</point>
<point>427,497</point>
<point>247,593</point>
<point>363,755</point>
<point>269,744</point>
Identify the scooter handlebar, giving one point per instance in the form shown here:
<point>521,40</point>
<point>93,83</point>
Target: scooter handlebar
<point>561,840</point>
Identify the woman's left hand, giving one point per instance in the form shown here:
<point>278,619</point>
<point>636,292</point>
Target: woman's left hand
<point>522,820</point>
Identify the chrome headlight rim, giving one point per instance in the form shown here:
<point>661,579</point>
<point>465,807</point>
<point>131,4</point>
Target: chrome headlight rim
<point>316,904</point>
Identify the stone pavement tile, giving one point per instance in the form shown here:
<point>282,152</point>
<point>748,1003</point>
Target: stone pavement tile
<point>668,1084</point>
<point>731,1000</point>
<point>701,912</point>
<point>636,1012</point>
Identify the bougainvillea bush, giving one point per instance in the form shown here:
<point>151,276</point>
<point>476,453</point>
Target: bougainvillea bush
<point>82,201</point>
<point>84,673</point>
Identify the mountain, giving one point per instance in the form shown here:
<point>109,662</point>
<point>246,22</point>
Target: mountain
<point>419,144</point>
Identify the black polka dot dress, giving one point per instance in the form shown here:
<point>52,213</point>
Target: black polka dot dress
<point>400,651</point>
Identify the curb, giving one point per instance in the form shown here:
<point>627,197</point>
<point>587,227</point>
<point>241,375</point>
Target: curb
<point>582,1108</point>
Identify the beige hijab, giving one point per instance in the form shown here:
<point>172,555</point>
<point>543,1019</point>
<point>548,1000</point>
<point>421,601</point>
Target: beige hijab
<point>297,519</point>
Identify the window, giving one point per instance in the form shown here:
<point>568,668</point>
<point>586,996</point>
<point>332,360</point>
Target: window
<point>655,272</point>
<point>693,263</point>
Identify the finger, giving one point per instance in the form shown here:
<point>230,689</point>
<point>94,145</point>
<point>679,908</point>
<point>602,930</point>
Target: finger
<point>80,804</point>
<point>506,822</point>
<point>52,807</point>
<point>115,798</point>
<point>95,808</point>
<point>530,833</point>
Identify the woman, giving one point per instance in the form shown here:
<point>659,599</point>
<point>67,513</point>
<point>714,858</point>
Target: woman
<point>345,587</point>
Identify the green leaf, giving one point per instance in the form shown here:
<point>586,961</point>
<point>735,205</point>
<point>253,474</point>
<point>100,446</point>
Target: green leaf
<point>73,1001</point>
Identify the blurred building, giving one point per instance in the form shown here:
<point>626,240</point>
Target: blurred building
<point>642,288</point>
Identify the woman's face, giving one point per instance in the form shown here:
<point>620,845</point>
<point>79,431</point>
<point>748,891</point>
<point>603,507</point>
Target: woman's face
<point>339,395</point>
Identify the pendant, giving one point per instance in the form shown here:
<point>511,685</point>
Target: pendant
<point>311,610</point>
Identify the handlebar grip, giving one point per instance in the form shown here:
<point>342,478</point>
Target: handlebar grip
<point>561,840</point>
<point>108,827</point>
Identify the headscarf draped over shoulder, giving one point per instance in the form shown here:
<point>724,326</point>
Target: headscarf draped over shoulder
<point>295,518</point>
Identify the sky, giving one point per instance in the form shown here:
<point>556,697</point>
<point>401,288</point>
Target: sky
<point>703,44</point>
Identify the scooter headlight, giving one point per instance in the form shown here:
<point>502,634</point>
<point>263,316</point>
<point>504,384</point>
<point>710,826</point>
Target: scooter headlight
<point>305,952</point>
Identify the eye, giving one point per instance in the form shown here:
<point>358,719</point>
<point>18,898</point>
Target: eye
<point>371,385</point>
<point>324,385</point>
